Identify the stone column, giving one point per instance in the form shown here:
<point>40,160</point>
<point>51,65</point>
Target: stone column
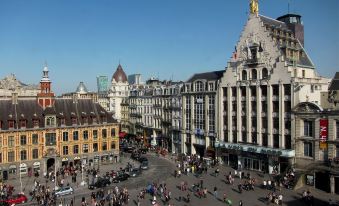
<point>259,122</point>
<point>281,115</point>
<point>269,116</point>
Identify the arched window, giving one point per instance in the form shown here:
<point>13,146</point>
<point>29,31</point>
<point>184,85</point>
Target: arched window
<point>264,73</point>
<point>244,75</point>
<point>254,74</point>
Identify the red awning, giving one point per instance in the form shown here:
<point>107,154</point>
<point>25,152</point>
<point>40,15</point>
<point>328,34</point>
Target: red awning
<point>122,134</point>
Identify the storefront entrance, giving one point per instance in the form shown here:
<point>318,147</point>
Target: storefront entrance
<point>336,186</point>
<point>322,181</point>
<point>50,163</point>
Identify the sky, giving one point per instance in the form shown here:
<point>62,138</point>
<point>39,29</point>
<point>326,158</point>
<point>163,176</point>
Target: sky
<point>167,39</point>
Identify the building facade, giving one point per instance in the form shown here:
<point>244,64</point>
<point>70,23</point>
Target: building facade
<point>118,92</point>
<point>47,132</point>
<point>268,74</point>
<point>10,84</point>
<point>317,140</point>
<point>81,93</point>
<point>199,113</point>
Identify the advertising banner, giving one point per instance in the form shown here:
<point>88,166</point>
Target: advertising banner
<point>323,133</point>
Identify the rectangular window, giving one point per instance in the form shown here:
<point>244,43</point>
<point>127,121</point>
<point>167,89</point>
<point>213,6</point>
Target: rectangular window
<point>113,132</point>
<point>75,136</point>
<point>95,134</point>
<point>337,129</point>
<point>11,124</point>
<point>104,146</point>
<point>76,149</point>
<point>65,136</point>
<point>50,139</point>
<point>74,121</point>
<point>113,145</point>
<point>276,141</point>
<point>104,133</point>
<point>35,153</point>
<point>337,151</point>
<point>308,128</point>
<point>35,123</point>
<point>95,147</point>
<point>23,140</point>
<point>0,142</point>
<point>22,123</point>
<point>85,135</point>
<point>308,149</point>
<point>11,157</point>
<point>0,157</point>
<point>65,150</point>
<point>11,141</point>
<point>35,139</point>
<point>85,148</point>
<point>23,155</point>
<point>62,121</point>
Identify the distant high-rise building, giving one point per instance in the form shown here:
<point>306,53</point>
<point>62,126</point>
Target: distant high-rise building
<point>134,79</point>
<point>102,84</point>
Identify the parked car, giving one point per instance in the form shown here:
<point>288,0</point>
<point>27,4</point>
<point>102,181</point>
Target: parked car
<point>64,191</point>
<point>13,200</point>
<point>142,159</point>
<point>101,182</point>
<point>144,165</point>
<point>135,172</point>
<point>120,177</point>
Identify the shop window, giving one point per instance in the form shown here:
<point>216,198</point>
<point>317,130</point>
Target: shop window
<point>65,150</point>
<point>65,136</point>
<point>35,139</point>
<point>308,149</point>
<point>35,153</point>
<point>23,140</point>
<point>308,128</point>
<point>85,135</point>
<point>75,135</point>
<point>23,155</point>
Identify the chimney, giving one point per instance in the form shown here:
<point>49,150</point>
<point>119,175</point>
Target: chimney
<point>14,98</point>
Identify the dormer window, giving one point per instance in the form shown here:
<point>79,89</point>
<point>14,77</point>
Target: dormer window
<point>35,123</point>
<point>50,121</point>
<point>62,121</point>
<point>85,120</point>
<point>104,119</point>
<point>11,124</point>
<point>199,86</point>
<point>22,123</point>
<point>94,120</point>
<point>74,120</point>
<point>0,125</point>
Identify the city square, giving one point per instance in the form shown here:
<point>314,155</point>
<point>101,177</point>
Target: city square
<point>254,124</point>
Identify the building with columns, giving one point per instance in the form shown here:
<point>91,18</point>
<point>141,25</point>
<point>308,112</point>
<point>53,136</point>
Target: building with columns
<point>199,113</point>
<point>268,74</point>
<point>317,140</point>
<point>41,134</point>
<point>118,92</point>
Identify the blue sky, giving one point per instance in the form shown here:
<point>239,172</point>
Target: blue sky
<point>169,39</point>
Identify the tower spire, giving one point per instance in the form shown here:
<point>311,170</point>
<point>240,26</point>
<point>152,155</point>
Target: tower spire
<point>254,6</point>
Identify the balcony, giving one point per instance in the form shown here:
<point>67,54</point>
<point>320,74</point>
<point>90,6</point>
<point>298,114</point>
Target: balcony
<point>253,62</point>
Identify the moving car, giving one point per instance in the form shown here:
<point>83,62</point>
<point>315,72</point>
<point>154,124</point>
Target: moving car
<point>15,199</point>
<point>101,182</point>
<point>135,172</point>
<point>64,191</point>
<point>120,177</point>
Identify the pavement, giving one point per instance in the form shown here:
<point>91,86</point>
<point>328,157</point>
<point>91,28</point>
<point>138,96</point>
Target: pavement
<point>161,170</point>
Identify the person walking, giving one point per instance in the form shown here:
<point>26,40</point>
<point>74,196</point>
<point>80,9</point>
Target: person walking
<point>215,192</point>
<point>240,203</point>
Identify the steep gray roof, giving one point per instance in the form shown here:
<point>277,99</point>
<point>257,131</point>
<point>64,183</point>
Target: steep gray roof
<point>214,75</point>
<point>334,83</point>
<point>303,60</point>
<point>62,108</point>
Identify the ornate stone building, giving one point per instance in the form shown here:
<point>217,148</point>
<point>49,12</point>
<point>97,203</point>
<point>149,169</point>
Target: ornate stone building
<point>44,133</point>
<point>317,140</point>
<point>269,74</point>
<point>118,92</point>
<point>81,93</point>
<point>9,84</point>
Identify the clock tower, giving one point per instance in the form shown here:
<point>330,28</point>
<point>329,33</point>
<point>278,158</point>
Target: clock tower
<point>45,97</point>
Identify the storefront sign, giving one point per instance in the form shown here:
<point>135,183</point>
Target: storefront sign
<point>323,133</point>
<point>258,149</point>
<point>310,180</point>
